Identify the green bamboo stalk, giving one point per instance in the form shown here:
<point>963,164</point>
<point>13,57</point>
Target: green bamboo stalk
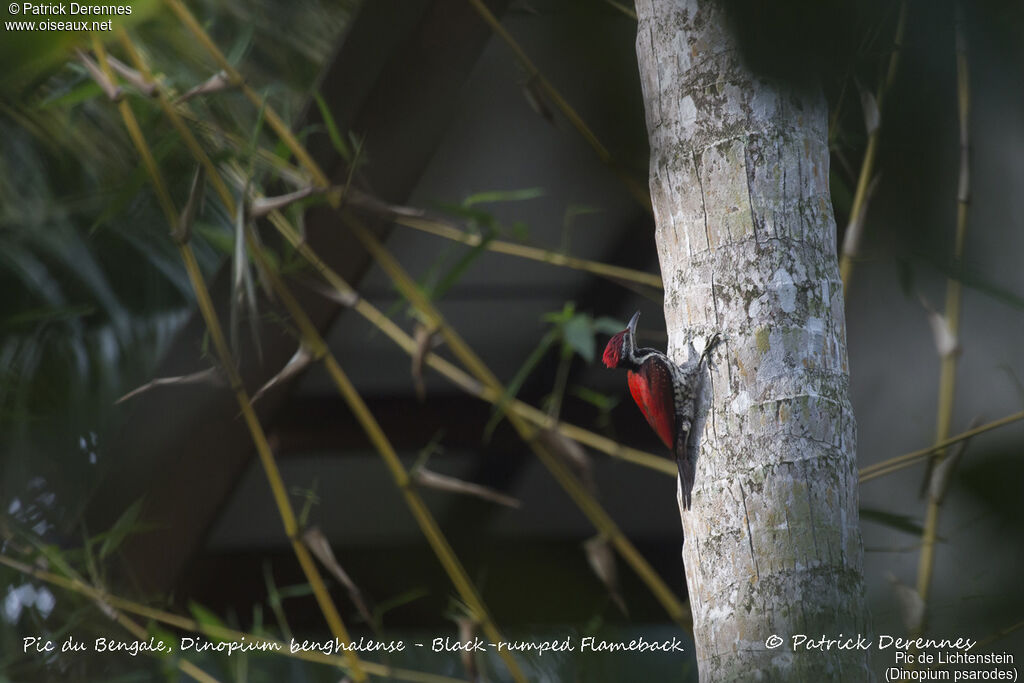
<point>214,631</point>
<point>209,314</point>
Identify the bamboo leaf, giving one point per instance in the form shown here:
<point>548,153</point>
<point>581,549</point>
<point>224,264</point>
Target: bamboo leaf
<point>494,196</point>
<point>601,559</point>
<point>206,618</point>
<point>210,375</point>
<point>340,146</point>
<point>441,482</point>
<point>902,523</point>
<point>299,361</point>
<point>321,548</point>
<point>216,83</point>
<point>461,266</point>
<point>578,333</point>
<point>498,411</point>
<point>121,529</point>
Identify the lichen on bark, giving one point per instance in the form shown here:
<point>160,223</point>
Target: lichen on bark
<point>746,240</point>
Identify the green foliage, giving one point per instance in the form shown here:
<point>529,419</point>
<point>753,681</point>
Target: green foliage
<point>573,334</point>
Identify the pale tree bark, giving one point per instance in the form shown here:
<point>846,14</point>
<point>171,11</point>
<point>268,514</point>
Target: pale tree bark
<point>746,239</point>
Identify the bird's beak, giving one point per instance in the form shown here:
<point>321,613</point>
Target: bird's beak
<point>632,323</point>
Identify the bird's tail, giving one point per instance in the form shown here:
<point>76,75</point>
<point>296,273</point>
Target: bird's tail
<point>686,474</point>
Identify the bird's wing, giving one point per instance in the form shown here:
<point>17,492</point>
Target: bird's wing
<point>652,390</point>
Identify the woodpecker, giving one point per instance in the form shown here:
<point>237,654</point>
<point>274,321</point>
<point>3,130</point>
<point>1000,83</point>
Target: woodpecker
<point>666,393</point>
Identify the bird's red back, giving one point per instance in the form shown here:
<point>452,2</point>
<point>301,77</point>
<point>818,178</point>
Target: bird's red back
<point>657,411</point>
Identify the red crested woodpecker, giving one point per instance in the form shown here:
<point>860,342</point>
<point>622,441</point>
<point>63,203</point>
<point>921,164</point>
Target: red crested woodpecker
<point>666,393</point>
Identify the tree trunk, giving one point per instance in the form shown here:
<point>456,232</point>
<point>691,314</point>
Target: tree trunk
<point>747,243</point>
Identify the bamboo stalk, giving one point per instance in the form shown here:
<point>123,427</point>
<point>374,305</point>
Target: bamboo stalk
<point>209,314</point>
<point>273,120</point>
<point>855,228</point>
<point>458,376</point>
<point>455,342</point>
<point>450,232</point>
<point>451,372</point>
<point>214,631</point>
<point>908,459</point>
<point>639,193</point>
<point>947,379</point>
<point>318,346</point>
<point>587,504</point>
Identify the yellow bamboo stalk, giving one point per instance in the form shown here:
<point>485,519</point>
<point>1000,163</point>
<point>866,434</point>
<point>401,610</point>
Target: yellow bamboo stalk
<point>908,459</point>
<point>320,350</point>
<point>212,630</point>
<point>450,232</point>
<point>590,507</point>
<point>851,244</point>
<point>947,378</point>
<point>420,511</point>
<point>455,374</point>
<point>455,342</point>
<point>640,193</point>
<point>209,314</point>
<point>108,607</point>
<point>141,634</point>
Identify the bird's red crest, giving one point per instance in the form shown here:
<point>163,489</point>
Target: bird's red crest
<point>613,352</point>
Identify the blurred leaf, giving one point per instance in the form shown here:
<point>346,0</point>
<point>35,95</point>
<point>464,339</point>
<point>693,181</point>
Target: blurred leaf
<point>442,482</point>
<point>603,402</point>
<point>299,361</point>
<point>911,605</point>
<point>606,325</point>
<point>872,117</point>
<point>578,333</point>
<point>243,41</point>
<point>503,196</point>
<point>205,617</point>
<point>85,90</point>
<point>31,317</point>
<point>601,559</point>
<point>121,529</point>
<point>321,548</point>
<point>397,601</point>
<point>513,387</point>
<point>332,128</point>
<point>477,217</point>
<point>461,266</point>
<point>890,519</point>
<point>211,376</point>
